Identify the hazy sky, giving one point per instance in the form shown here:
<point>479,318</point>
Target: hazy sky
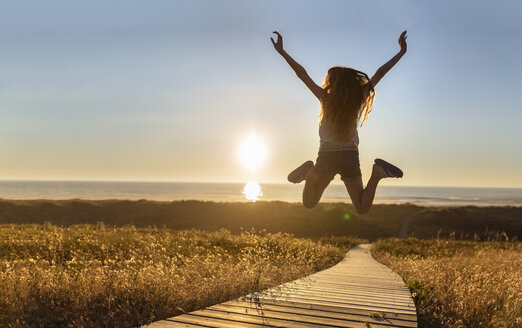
<point>167,90</point>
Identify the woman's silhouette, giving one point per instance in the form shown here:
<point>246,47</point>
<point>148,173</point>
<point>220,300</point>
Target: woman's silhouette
<point>346,98</point>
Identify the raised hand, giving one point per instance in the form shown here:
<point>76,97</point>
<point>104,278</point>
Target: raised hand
<point>390,63</point>
<point>402,42</point>
<point>279,44</point>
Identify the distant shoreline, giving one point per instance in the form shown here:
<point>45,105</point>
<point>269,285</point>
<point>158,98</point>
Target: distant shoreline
<point>326,202</point>
<point>338,219</point>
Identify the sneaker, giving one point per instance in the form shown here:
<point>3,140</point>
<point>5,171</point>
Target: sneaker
<point>299,174</point>
<point>392,170</point>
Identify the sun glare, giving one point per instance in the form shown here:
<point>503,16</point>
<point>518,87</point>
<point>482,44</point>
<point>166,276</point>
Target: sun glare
<point>252,191</point>
<point>252,153</point>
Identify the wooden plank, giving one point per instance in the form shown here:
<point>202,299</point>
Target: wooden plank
<point>369,292</point>
<point>355,305</point>
<point>298,320</point>
<point>170,324</point>
<point>347,276</point>
<point>364,282</point>
<point>361,291</point>
<point>343,296</point>
<point>215,322</point>
<point>331,295</point>
<point>368,303</point>
<point>351,289</point>
<point>361,281</point>
<point>355,284</point>
<point>336,309</point>
<point>298,296</point>
<point>259,320</point>
<point>314,312</point>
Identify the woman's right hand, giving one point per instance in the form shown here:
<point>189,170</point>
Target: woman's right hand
<point>402,42</point>
<point>279,44</point>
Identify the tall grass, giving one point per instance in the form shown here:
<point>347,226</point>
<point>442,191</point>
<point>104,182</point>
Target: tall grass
<point>94,276</point>
<point>459,283</point>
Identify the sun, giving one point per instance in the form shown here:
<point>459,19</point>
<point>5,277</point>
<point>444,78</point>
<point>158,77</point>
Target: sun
<point>252,152</point>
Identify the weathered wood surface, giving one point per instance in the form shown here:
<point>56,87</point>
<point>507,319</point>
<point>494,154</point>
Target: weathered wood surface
<point>357,292</point>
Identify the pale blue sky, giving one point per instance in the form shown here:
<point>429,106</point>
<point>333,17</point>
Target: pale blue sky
<point>167,90</point>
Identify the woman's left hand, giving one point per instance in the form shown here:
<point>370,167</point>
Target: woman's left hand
<point>279,44</point>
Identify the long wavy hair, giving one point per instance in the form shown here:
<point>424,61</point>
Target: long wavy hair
<point>348,99</point>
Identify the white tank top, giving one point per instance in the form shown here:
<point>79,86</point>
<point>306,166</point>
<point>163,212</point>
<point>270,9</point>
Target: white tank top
<point>330,142</point>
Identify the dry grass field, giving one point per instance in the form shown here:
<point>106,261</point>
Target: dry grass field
<point>94,276</point>
<point>459,284</point>
<point>73,272</point>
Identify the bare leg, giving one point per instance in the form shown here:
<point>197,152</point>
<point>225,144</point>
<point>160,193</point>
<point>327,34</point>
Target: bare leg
<point>313,189</point>
<point>362,198</point>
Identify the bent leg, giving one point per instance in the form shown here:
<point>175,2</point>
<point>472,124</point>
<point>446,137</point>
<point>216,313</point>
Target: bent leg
<point>314,188</point>
<point>362,198</point>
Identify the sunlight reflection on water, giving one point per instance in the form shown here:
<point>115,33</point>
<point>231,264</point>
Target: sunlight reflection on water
<point>252,191</point>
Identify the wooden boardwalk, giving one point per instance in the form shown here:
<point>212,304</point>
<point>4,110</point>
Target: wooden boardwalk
<point>357,292</point>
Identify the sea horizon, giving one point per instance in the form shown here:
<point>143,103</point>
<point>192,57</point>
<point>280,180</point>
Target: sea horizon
<point>252,191</point>
<point>334,182</point>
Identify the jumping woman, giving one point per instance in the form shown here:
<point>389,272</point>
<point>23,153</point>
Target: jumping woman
<point>346,98</point>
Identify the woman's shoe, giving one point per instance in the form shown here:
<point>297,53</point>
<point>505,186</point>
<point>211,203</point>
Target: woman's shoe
<point>299,174</point>
<point>392,170</point>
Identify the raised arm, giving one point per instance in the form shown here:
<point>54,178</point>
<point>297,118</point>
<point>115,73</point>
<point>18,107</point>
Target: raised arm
<point>386,67</point>
<point>298,69</point>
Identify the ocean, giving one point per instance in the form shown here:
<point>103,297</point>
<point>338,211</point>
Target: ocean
<point>238,192</point>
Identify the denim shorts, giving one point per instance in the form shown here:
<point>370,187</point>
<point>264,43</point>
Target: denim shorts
<point>344,162</point>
